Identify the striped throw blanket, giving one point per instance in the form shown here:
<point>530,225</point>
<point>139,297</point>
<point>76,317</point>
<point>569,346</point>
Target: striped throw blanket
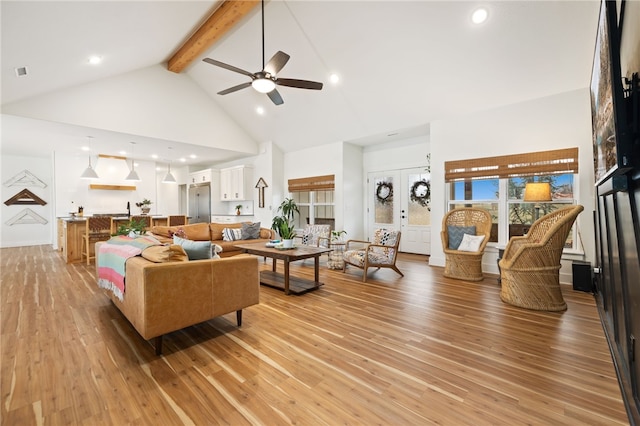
<point>112,257</point>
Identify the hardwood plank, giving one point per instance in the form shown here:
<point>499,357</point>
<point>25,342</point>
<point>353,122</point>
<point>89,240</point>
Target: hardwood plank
<point>422,349</point>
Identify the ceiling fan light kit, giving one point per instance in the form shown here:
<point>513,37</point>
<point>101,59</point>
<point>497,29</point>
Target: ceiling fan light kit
<point>263,85</point>
<point>265,81</point>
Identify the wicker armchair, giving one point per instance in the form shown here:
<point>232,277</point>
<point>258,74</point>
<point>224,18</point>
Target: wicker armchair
<point>530,266</point>
<point>465,265</point>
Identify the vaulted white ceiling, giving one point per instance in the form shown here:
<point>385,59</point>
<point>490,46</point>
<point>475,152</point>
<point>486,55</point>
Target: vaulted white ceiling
<point>402,65</point>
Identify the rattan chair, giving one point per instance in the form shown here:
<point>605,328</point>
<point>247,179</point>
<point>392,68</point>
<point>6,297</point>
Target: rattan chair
<point>176,220</point>
<point>381,253</point>
<point>530,266</point>
<point>465,265</point>
<point>97,228</point>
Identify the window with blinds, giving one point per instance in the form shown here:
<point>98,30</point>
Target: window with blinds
<point>315,199</point>
<point>559,161</point>
<point>498,184</point>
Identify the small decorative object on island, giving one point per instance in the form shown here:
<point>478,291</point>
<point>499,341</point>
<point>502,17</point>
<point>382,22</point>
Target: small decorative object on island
<point>144,206</point>
<point>238,209</point>
<point>284,224</point>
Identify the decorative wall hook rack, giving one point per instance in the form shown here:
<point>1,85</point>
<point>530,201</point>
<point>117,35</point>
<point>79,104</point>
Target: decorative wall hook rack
<point>25,197</point>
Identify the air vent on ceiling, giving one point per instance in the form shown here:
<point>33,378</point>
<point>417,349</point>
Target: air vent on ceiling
<point>21,71</point>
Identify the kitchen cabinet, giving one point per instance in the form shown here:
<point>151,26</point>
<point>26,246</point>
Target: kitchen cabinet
<point>231,218</point>
<point>72,232</point>
<point>202,176</point>
<point>235,183</point>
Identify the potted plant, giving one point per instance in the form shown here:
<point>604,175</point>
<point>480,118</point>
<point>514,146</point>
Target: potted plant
<point>284,223</point>
<point>145,205</point>
<point>238,208</point>
<point>131,228</point>
<point>336,236</point>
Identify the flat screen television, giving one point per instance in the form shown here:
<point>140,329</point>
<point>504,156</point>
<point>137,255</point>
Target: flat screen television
<point>612,144</point>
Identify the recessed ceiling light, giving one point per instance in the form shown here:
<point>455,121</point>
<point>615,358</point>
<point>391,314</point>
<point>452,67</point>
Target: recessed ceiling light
<point>95,60</point>
<point>183,160</point>
<point>334,78</point>
<point>85,148</point>
<point>193,156</point>
<point>123,152</point>
<point>154,156</point>
<point>479,15</point>
<point>260,110</point>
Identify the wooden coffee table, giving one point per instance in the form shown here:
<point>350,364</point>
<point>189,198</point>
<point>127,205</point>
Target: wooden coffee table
<point>285,282</point>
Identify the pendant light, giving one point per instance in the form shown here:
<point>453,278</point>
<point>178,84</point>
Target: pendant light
<point>169,177</point>
<point>89,173</point>
<point>132,176</point>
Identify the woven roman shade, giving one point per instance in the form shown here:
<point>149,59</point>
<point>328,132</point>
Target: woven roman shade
<point>315,183</point>
<point>518,165</point>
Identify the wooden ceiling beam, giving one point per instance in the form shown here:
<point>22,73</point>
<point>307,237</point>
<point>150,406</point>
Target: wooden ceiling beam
<point>217,25</point>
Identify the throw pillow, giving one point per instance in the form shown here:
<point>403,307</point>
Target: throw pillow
<point>169,253</point>
<point>231,234</point>
<point>456,233</point>
<point>470,242</point>
<point>250,231</point>
<point>195,249</point>
<point>215,249</point>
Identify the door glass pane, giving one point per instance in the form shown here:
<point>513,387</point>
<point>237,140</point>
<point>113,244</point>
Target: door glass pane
<point>383,200</point>
<point>419,206</point>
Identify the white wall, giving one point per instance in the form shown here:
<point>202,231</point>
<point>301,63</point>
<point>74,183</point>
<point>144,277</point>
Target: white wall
<point>350,195</point>
<point>71,191</point>
<point>554,122</point>
<point>26,234</point>
<point>151,102</point>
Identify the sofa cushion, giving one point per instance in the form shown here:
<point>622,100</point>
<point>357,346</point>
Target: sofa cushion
<point>231,234</point>
<point>455,234</point>
<point>250,231</point>
<point>215,229</point>
<point>471,242</point>
<point>195,249</point>
<point>196,231</point>
<point>168,253</point>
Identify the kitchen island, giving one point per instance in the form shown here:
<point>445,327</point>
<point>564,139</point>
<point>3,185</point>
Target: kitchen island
<point>71,230</point>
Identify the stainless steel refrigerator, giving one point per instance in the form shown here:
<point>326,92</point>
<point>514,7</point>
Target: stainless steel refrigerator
<point>199,203</point>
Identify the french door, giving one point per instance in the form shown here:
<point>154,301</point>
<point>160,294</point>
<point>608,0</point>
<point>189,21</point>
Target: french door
<point>401,200</point>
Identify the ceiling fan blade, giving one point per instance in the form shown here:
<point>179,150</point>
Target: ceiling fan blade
<point>227,67</point>
<point>235,88</point>
<point>300,84</point>
<point>276,63</point>
<point>275,97</point>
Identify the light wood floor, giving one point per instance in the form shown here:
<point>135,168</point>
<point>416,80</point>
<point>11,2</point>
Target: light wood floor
<point>416,350</point>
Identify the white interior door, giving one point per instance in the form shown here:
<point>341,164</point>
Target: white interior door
<point>401,200</point>
<point>383,206</point>
<point>415,211</point>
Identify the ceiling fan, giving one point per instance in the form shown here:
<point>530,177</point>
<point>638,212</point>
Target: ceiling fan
<point>265,81</point>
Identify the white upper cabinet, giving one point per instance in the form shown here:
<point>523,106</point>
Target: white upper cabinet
<point>202,176</point>
<point>235,183</point>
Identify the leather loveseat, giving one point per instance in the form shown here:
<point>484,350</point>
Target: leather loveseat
<point>160,298</point>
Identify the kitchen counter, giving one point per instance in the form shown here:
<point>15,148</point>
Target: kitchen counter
<point>71,229</point>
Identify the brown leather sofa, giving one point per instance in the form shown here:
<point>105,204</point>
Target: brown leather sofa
<point>210,232</point>
<point>164,297</point>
